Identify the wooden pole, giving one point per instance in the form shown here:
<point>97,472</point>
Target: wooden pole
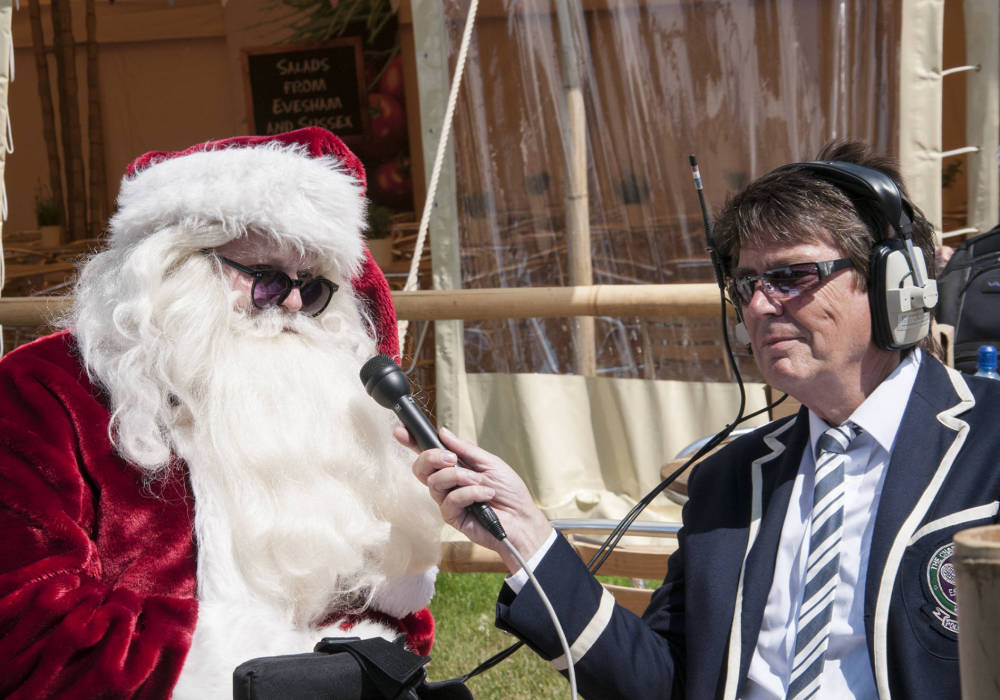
<point>48,109</point>
<point>976,561</point>
<point>648,301</point>
<point>574,132</point>
<point>64,45</point>
<point>654,300</point>
<point>32,311</point>
<point>98,194</point>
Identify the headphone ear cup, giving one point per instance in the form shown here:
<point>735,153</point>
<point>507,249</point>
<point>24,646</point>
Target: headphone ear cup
<point>895,324</point>
<point>877,262</point>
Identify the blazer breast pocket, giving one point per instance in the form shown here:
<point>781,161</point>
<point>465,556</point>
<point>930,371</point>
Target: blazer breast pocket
<point>927,576</point>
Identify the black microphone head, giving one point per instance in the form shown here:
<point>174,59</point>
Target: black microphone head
<point>384,380</point>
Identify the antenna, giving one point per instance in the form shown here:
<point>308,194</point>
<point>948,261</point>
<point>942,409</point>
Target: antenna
<point>710,246</point>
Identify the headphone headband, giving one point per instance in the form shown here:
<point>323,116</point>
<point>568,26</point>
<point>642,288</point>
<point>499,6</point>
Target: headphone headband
<point>864,182</point>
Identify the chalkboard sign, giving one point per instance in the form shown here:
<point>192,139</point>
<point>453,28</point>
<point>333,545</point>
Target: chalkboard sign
<point>289,87</point>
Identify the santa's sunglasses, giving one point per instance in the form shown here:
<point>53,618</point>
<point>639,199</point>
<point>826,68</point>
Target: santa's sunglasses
<point>784,282</point>
<point>271,287</point>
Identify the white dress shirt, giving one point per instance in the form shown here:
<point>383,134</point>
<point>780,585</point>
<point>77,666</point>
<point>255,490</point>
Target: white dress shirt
<point>517,580</point>
<point>847,672</point>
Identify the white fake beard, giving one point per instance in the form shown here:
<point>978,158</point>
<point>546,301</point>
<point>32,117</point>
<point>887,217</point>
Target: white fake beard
<point>302,497</point>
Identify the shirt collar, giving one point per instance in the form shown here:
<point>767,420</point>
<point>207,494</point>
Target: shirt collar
<point>881,413</point>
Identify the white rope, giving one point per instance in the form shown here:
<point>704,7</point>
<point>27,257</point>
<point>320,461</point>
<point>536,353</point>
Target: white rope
<point>9,141</point>
<point>449,113</point>
<point>960,69</point>
<point>958,151</point>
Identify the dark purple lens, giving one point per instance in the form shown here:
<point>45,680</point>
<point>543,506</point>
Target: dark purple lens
<point>270,288</point>
<point>316,295</point>
<point>793,279</point>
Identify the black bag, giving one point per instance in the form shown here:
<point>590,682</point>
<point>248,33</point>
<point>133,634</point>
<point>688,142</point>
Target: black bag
<point>344,669</point>
<point>969,297</point>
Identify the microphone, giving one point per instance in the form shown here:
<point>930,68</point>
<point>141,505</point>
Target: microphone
<point>385,382</point>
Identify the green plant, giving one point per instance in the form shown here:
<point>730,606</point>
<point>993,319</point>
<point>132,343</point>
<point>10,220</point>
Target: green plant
<point>318,20</point>
<point>48,210</point>
<point>379,222</point>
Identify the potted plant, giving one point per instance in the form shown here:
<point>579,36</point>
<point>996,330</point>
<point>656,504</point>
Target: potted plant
<point>49,217</point>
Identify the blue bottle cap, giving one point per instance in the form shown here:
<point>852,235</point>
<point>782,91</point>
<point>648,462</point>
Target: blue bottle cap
<point>987,356</point>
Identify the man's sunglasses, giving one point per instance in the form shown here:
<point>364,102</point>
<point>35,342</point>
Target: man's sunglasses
<point>271,287</point>
<point>784,282</point>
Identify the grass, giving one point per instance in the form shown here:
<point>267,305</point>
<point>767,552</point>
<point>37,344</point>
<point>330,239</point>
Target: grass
<point>464,608</point>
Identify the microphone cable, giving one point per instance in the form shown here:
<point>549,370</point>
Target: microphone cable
<point>619,531</point>
<point>571,672</point>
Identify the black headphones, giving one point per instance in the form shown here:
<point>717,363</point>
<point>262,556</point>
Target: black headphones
<point>901,296</point>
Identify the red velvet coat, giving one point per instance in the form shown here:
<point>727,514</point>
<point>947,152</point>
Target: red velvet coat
<point>97,573</point>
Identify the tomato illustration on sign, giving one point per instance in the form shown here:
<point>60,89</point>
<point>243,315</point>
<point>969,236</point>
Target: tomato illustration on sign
<point>393,185</point>
<point>388,124</point>
<point>391,82</point>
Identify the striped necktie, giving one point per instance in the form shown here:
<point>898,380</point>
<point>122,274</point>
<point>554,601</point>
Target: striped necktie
<point>823,564</point>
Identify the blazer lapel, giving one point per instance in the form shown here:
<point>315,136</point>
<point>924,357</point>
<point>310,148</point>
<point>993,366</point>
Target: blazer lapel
<point>778,478</point>
<point>921,457</point>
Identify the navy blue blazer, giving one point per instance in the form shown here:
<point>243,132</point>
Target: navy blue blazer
<point>699,633</point>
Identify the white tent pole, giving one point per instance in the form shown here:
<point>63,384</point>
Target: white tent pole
<point>982,99</point>
<point>431,49</point>
<point>920,56</point>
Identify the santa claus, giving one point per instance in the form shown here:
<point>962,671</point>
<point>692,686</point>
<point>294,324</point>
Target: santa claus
<point>192,474</point>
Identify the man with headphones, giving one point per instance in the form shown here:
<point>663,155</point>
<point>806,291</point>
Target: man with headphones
<point>815,558</point>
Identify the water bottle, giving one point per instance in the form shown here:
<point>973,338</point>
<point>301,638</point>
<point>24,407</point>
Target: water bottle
<point>987,357</point>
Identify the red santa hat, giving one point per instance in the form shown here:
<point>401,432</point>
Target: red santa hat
<point>305,186</point>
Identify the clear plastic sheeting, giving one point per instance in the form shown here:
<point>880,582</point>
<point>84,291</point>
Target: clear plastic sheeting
<point>744,84</point>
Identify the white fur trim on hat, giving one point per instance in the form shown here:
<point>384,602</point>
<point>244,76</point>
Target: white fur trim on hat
<point>311,203</point>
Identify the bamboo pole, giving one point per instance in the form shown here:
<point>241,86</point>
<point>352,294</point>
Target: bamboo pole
<point>654,300</point>
<point>648,301</point>
<point>32,311</point>
<point>64,45</point>
<point>98,195</point>
<point>574,133</point>
<point>48,109</point>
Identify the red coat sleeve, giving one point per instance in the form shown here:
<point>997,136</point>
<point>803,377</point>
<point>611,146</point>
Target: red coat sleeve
<point>97,570</point>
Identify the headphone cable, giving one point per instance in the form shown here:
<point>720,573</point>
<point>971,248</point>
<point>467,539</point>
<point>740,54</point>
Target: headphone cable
<point>615,536</point>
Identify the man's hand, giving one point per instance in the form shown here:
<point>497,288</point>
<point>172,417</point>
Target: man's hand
<point>487,479</point>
